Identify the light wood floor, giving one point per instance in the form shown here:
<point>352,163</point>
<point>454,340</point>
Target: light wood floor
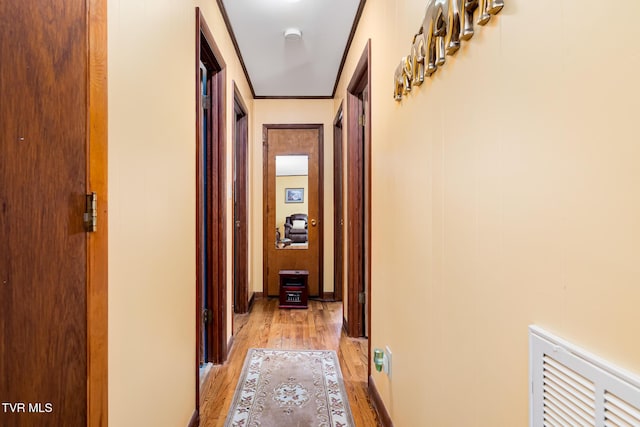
<point>318,327</point>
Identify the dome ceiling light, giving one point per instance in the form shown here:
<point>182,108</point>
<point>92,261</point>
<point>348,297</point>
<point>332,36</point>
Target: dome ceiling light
<point>292,34</point>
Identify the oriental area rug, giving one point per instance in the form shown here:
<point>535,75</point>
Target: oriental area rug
<point>290,388</point>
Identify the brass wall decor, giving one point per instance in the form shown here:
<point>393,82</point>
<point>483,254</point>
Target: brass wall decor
<point>427,47</point>
<point>470,6</point>
<point>417,60</point>
<point>402,78</point>
<point>445,24</point>
<point>437,20</point>
<point>488,8</point>
<point>455,21</point>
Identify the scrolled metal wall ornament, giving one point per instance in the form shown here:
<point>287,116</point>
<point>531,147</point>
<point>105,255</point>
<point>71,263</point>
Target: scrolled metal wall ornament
<point>445,24</point>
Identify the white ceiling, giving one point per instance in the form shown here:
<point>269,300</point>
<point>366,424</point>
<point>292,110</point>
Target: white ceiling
<point>279,67</point>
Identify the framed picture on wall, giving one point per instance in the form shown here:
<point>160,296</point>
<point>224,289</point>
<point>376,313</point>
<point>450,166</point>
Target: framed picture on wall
<point>294,195</point>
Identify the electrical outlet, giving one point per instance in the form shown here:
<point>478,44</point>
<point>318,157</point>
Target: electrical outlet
<point>386,364</point>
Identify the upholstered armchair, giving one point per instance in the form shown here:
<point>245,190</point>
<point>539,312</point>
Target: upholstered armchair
<point>296,228</point>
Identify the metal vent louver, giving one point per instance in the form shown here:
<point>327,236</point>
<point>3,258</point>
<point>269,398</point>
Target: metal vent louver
<point>569,398</point>
<point>571,387</point>
<point>618,412</point>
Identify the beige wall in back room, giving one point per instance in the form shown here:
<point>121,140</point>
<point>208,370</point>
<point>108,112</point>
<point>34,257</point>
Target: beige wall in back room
<point>516,169</point>
<point>152,206</point>
<point>290,111</point>
<point>284,209</point>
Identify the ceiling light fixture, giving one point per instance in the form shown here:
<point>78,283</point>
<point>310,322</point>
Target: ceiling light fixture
<point>292,34</point>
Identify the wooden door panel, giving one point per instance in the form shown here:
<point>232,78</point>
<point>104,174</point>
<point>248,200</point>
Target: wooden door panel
<point>240,191</point>
<point>43,258</point>
<point>338,208</point>
<point>358,200</point>
<point>301,141</point>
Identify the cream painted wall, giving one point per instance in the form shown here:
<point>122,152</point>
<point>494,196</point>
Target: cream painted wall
<point>152,206</point>
<point>284,111</point>
<point>516,167</point>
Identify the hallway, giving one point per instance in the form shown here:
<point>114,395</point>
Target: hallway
<point>266,326</point>
<point>494,196</point>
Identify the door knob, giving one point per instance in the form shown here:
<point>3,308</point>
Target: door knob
<point>313,222</point>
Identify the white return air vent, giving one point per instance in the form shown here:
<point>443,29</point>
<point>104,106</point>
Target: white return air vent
<point>570,387</point>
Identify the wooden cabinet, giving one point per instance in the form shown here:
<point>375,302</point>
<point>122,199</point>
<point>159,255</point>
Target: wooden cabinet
<point>294,288</point>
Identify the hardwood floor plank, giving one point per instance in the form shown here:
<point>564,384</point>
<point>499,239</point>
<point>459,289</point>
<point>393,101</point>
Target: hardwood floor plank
<point>318,327</point>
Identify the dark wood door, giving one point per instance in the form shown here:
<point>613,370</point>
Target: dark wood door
<point>358,199</point>
<point>338,206</point>
<point>284,140</point>
<point>240,217</point>
<point>43,181</point>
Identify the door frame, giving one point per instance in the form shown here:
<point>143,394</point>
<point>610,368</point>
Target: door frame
<point>97,242</point>
<point>338,207</point>
<point>240,196</point>
<point>358,203</point>
<point>208,52</point>
<point>265,194</point>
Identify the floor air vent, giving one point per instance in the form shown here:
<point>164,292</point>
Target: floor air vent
<point>570,387</point>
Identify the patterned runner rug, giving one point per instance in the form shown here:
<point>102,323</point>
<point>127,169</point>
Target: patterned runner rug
<point>290,388</point>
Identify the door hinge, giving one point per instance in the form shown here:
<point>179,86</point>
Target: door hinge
<point>91,213</point>
<point>206,100</point>
<point>361,297</point>
<point>207,315</point>
<point>361,120</point>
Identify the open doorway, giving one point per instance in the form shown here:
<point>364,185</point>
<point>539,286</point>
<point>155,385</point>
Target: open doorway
<point>358,310</point>
<point>240,201</point>
<point>211,298</point>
